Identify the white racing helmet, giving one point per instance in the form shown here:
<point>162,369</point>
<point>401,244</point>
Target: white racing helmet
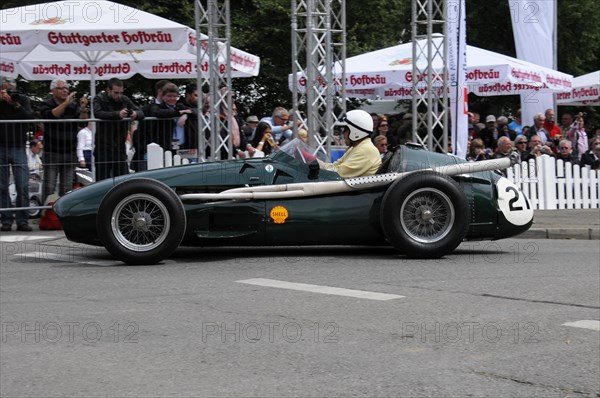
<point>359,122</point>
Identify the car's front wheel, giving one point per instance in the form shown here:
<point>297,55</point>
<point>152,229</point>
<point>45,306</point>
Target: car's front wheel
<point>141,221</point>
<point>425,215</point>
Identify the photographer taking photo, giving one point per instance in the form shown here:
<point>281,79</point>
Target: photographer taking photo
<point>109,143</point>
<point>13,140</point>
<point>60,138</point>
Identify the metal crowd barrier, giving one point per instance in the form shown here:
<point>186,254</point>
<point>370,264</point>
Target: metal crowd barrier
<point>57,134</point>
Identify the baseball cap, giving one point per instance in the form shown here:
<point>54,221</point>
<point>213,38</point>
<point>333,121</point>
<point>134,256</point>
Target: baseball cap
<point>490,118</point>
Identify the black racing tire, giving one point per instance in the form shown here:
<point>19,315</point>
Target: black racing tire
<point>425,215</point>
<point>141,221</point>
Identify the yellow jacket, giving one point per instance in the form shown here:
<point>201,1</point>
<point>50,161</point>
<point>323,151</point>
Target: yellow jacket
<point>362,159</point>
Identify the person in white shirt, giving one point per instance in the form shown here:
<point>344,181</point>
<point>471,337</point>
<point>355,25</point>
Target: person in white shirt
<point>280,126</point>
<point>34,160</point>
<point>85,142</point>
<point>538,128</point>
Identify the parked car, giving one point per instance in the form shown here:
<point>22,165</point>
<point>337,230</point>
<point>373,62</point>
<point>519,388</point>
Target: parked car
<point>422,203</point>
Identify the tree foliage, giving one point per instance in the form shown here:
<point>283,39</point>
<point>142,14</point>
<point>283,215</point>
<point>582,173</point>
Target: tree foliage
<point>263,28</point>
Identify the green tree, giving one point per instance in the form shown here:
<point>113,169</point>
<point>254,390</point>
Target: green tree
<point>263,28</point>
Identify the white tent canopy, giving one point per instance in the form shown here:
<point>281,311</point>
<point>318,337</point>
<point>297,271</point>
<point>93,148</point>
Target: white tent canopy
<point>585,91</point>
<point>87,26</point>
<point>43,64</point>
<point>93,39</point>
<point>387,74</point>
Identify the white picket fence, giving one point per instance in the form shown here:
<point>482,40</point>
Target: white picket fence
<point>548,183</point>
<point>553,184</point>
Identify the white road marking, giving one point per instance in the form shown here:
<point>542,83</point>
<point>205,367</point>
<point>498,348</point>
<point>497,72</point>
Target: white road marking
<point>320,289</point>
<point>21,238</point>
<point>585,324</point>
<point>68,258</point>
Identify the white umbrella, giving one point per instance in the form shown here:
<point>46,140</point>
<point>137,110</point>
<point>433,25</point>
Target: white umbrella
<point>87,26</point>
<point>41,63</point>
<point>92,39</point>
<point>387,74</point>
<point>90,29</point>
<point>585,91</point>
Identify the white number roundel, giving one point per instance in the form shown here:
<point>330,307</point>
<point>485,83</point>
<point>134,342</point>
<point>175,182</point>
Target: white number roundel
<point>513,203</point>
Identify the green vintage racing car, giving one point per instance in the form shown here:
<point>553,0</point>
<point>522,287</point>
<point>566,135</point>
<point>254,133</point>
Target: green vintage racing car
<point>422,203</point>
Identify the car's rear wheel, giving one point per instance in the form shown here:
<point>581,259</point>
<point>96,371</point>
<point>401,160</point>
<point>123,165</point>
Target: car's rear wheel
<point>141,221</point>
<point>425,215</point>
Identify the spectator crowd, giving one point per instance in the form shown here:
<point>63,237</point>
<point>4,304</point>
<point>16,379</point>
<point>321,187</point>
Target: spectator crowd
<point>568,141</point>
<point>500,137</point>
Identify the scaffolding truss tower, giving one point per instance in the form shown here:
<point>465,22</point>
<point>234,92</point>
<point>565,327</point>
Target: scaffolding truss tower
<point>215,139</point>
<point>318,44</point>
<point>429,103</point>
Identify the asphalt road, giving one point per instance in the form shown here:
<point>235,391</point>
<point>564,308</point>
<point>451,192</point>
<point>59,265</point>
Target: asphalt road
<point>488,320</point>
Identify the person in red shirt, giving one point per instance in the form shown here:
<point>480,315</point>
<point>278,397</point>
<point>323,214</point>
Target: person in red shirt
<point>550,125</point>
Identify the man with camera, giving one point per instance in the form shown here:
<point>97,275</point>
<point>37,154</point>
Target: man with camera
<point>60,137</point>
<point>116,111</point>
<point>13,140</point>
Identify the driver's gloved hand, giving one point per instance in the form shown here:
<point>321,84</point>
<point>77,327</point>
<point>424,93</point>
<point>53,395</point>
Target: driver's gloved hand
<point>309,158</point>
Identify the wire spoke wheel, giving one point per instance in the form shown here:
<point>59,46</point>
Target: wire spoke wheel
<point>427,215</point>
<point>140,222</point>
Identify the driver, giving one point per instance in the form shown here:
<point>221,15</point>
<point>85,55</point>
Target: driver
<point>362,157</point>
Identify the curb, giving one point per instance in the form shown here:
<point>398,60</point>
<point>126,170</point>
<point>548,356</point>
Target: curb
<point>561,233</point>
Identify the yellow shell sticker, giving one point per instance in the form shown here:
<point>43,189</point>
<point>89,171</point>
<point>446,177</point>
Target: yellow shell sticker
<point>279,214</point>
